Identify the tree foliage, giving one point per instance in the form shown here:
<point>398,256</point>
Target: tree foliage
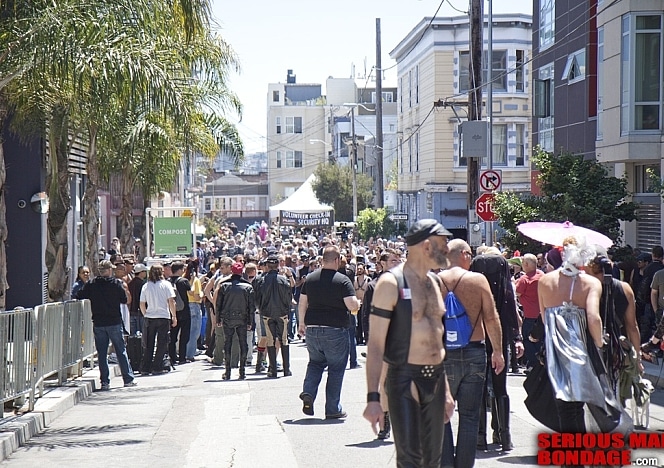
<point>374,223</point>
<point>573,189</point>
<point>334,186</point>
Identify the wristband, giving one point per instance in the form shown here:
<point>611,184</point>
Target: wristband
<point>373,396</point>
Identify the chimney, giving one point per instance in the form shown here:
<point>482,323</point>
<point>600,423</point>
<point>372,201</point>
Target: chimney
<point>290,77</point>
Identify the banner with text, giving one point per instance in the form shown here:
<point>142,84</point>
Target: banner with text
<point>323,218</point>
<point>173,236</point>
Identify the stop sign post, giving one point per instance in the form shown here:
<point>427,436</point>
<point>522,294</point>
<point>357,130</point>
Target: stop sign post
<point>484,207</point>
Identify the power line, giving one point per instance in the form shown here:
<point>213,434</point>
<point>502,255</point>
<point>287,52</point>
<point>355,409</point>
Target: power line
<point>560,43</point>
<point>421,35</point>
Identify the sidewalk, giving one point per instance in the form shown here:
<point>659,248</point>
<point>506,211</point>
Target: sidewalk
<point>191,417</point>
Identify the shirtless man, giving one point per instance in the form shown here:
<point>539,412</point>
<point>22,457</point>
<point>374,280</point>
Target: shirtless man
<point>465,367</point>
<point>406,326</point>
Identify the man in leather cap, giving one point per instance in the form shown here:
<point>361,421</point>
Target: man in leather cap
<point>273,299</point>
<point>235,312</point>
<point>406,331</point>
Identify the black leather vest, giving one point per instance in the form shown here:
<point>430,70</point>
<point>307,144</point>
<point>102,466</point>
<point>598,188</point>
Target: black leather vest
<point>397,344</point>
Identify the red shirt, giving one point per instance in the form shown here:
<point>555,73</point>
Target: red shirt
<point>526,289</point>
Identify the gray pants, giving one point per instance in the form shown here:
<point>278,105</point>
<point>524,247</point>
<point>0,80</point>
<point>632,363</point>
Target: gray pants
<point>219,342</point>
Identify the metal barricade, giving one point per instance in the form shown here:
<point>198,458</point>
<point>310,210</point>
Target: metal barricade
<point>87,334</point>
<point>17,329</point>
<point>50,338</point>
<point>54,338</point>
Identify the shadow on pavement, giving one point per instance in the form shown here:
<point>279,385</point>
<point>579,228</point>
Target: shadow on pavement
<point>312,422</point>
<point>81,436</point>
<point>515,460</point>
<point>371,443</point>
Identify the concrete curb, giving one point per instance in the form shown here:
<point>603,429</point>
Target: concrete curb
<point>15,431</point>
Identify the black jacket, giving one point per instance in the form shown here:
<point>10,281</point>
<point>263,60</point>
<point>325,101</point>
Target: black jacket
<point>235,303</point>
<point>105,294</point>
<point>273,295</point>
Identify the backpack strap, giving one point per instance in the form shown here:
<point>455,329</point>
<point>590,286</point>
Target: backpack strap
<point>455,286</point>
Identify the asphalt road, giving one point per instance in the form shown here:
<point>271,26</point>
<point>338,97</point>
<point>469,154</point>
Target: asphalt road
<point>192,418</point>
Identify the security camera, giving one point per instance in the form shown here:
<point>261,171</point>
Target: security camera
<point>39,203</point>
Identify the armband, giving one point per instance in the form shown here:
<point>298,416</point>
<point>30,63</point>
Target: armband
<point>373,396</point>
<point>381,312</point>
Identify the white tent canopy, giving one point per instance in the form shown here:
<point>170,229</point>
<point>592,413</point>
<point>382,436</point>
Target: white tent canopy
<point>303,200</point>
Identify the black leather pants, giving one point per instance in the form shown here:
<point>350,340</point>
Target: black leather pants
<point>417,425</point>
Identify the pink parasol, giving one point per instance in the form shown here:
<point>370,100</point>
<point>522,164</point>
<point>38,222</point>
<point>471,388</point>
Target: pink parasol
<point>555,233</point>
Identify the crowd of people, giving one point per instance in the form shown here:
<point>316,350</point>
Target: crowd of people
<point>257,291</point>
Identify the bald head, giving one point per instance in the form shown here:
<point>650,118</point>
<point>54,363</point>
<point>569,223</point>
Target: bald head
<point>456,255</point>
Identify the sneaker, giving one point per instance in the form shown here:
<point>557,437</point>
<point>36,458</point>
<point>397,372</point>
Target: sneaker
<point>105,386</point>
<point>133,383</point>
<point>340,415</point>
<point>307,404</point>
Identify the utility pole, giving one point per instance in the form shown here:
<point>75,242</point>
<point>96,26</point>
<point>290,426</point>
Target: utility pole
<point>489,103</point>
<point>380,185</point>
<point>352,129</point>
<point>475,96</point>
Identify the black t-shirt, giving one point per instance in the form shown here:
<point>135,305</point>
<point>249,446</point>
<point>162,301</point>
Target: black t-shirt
<point>182,286</point>
<point>106,293</point>
<point>325,290</point>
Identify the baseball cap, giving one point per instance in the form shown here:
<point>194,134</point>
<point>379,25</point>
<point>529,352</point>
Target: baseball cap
<point>139,268</point>
<point>644,257</point>
<point>516,261</point>
<point>106,265</point>
<point>304,256</point>
<point>423,229</point>
<point>237,268</point>
<point>272,259</point>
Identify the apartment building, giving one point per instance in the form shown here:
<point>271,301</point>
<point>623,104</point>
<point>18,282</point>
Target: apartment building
<point>597,91</point>
<point>433,64</point>
<point>306,128</point>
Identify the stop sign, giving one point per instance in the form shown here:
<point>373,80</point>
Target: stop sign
<point>484,207</point>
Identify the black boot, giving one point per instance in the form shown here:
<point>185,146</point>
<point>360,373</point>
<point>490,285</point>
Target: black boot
<point>385,432</point>
<point>242,374</point>
<point>503,411</point>
<point>272,360</point>
<point>285,356</point>
<point>259,362</point>
<point>227,372</point>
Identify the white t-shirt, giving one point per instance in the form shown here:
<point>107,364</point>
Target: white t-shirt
<point>156,295</point>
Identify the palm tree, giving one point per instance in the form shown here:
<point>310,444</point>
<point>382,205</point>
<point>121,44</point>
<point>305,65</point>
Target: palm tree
<point>129,56</point>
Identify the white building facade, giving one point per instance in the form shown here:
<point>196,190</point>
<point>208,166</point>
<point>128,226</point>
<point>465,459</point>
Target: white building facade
<point>433,66</point>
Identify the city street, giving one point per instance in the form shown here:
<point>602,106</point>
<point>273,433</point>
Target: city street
<point>191,417</point>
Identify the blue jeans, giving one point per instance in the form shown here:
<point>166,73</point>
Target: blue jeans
<point>466,371</point>
<point>136,323</point>
<point>328,347</point>
<point>531,348</point>
<point>112,334</point>
<point>195,331</point>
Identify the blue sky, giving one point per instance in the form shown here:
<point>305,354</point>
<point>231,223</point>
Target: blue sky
<point>317,39</point>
